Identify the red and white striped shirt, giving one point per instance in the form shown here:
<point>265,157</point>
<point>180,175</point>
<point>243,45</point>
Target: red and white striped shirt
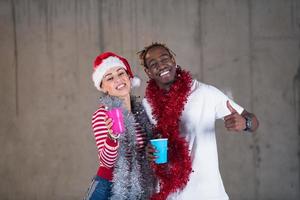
<point>107,148</point>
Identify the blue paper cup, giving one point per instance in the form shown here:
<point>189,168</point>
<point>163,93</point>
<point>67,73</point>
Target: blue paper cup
<point>161,147</point>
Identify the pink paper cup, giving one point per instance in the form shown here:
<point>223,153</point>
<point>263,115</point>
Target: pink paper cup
<point>118,122</point>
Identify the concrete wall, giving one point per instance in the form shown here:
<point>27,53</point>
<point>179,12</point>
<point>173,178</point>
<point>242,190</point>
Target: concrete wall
<point>247,48</point>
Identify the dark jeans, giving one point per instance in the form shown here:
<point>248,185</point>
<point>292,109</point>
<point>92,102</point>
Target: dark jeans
<point>100,189</point>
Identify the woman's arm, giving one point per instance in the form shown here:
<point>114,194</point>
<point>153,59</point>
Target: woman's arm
<point>107,147</point>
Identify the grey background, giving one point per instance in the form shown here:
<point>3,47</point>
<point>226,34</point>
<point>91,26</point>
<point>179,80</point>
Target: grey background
<point>247,48</point>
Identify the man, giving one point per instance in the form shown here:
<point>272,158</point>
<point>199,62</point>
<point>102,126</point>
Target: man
<point>184,111</point>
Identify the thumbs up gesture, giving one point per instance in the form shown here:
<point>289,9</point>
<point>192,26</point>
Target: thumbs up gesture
<point>234,121</point>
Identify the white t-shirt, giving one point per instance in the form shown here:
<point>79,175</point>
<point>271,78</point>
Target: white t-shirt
<point>205,104</point>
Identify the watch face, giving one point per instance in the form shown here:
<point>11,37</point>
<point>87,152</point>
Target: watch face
<point>249,122</point>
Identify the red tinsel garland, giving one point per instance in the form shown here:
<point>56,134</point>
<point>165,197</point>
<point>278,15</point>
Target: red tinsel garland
<point>167,107</point>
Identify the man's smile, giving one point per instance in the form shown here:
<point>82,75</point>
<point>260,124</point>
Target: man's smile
<point>163,73</point>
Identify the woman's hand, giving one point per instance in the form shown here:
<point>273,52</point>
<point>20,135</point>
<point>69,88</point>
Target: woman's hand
<point>108,122</point>
<point>111,135</point>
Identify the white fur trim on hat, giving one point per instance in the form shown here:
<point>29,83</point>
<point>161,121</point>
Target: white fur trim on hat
<point>101,69</point>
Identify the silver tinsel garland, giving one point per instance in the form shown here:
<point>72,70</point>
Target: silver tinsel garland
<point>132,176</point>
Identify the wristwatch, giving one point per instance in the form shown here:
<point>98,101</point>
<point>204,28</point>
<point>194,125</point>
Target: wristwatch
<point>248,123</point>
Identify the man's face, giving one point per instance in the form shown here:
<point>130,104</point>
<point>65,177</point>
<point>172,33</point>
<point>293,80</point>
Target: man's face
<point>161,67</point>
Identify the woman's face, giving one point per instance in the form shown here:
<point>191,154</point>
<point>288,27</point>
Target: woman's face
<point>116,82</point>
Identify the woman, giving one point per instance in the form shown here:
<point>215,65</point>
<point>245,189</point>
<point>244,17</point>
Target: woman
<point>122,166</point>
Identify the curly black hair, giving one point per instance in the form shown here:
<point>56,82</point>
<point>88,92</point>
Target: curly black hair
<point>142,53</point>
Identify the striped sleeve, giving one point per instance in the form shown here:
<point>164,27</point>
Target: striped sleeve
<point>140,136</point>
<point>107,148</point>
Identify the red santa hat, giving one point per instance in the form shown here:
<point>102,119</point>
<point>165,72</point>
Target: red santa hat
<point>108,60</point>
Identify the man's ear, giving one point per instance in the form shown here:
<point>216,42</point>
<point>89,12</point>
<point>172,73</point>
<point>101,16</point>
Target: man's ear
<point>148,72</point>
<point>173,60</point>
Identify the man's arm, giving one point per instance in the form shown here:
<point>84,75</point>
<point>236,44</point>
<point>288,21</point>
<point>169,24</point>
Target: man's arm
<point>239,122</point>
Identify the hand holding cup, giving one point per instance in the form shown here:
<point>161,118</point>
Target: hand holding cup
<point>150,151</point>
<point>108,122</point>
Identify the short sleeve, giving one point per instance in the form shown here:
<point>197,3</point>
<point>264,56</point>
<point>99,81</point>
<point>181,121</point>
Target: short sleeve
<point>220,100</point>
<point>148,110</point>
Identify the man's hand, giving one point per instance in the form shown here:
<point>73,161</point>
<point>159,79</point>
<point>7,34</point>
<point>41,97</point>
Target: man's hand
<point>150,150</point>
<point>234,121</point>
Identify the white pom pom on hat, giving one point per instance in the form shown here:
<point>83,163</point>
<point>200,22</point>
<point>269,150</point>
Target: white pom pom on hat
<point>108,60</point>
<point>135,81</point>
